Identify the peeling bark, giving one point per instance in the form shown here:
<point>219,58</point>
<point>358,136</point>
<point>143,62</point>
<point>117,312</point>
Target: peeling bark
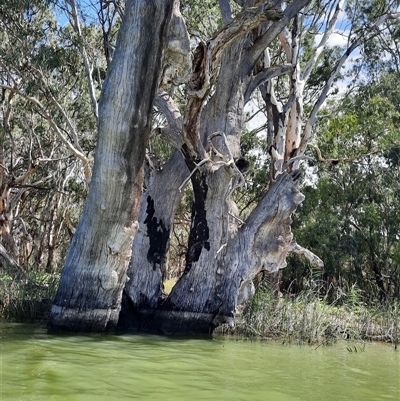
<point>222,258</point>
<point>147,269</point>
<point>212,290</point>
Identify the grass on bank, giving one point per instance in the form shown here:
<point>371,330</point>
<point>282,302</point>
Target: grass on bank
<point>28,298</point>
<point>306,318</point>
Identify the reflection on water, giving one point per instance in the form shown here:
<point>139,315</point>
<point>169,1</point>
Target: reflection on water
<point>36,366</point>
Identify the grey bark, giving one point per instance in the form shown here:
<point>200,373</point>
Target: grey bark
<point>222,258</point>
<point>90,291</point>
<point>147,269</point>
<point>9,265</point>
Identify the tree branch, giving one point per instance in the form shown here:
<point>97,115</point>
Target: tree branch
<point>311,257</point>
<point>226,11</point>
<point>363,35</point>
<point>173,134</point>
<point>327,34</point>
<point>76,152</point>
<point>264,76</point>
<point>255,52</point>
<point>313,116</point>
<point>10,265</point>
<point>243,23</point>
<point>74,21</point>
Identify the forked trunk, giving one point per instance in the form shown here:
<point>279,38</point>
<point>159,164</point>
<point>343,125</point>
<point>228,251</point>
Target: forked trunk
<point>262,243</point>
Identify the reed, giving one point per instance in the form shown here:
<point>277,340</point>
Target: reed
<point>303,318</point>
<point>28,298</point>
<point>308,318</point>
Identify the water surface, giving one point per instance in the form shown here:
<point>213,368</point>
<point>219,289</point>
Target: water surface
<point>37,366</point>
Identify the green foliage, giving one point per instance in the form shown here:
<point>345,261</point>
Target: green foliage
<point>350,219</point>
<point>202,18</point>
<point>41,58</point>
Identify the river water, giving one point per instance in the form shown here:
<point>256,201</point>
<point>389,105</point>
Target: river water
<point>37,366</point>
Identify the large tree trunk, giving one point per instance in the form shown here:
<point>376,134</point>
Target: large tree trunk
<point>222,259</point>
<point>211,291</point>
<point>90,291</point>
<point>147,269</point>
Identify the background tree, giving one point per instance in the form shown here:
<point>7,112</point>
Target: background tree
<point>357,198</point>
<point>47,135</point>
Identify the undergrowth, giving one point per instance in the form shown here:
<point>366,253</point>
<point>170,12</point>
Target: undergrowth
<point>308,318</point>
<point>28,298</point>
<point>302,318</point>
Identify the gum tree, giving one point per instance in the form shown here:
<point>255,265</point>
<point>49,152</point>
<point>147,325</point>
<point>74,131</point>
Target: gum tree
<point>258,47</point>
<point>89,295</point>
<point>46,136</point>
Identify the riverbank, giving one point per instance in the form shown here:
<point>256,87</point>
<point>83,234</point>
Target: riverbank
<point>303,318</point>
<point>306,318</point>
<point>27,298</point>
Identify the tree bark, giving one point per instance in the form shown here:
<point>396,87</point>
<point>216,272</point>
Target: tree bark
<point>148,266</point>
<point>222,258</point>
<point>210,293</point>
<point>90,291</point>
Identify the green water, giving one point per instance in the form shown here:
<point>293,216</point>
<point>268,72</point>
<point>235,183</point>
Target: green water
<point>37,366</point>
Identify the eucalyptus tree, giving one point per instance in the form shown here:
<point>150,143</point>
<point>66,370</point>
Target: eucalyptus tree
<point>89,295</point>
<point>359,196</point>
<point>224,253</point>
<point>48,129</point>
<point>257,47</point>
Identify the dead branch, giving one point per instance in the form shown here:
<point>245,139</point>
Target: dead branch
<point>244,22</point>
<point>311,257</point>
<point>74,21</point>
<point>265,75</point>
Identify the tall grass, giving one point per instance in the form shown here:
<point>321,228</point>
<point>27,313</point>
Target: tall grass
<point>306,318</point>
<point>28,298</point>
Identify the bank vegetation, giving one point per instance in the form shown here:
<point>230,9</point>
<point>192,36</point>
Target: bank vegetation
<point>263,104</point>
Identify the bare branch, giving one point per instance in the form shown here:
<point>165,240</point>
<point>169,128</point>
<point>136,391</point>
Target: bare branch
<point>76,152</point>
<point>270,34</point>
<point>7,262</point>
<point>74,20</point>
<point>187,179</point>
<point>311,121</point>
<point>226,11</point>
<point>25,176</point>
<point>244,22</point>
<point>311,257</point>
<point>264,76</point>
<point>327,34</point>
<point>173,134</point>
<point>363,35</point>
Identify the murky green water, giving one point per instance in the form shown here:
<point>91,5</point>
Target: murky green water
<point>36,366</point>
